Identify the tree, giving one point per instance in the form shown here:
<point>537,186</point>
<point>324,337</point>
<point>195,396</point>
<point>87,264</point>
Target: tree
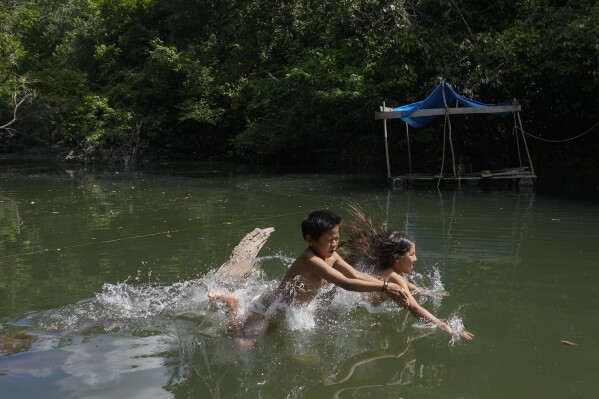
<point>15,89</point>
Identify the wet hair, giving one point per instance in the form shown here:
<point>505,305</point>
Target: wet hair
<point>369,246</point>
<point>317,222</point>
<point>393,243</point>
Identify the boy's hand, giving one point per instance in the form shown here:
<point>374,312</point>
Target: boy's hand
<point>467,335</point>
<point>398,294</point>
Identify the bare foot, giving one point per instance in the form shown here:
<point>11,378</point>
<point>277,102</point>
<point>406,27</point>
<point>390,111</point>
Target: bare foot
<point>229,301</point>
<point>245,344</point>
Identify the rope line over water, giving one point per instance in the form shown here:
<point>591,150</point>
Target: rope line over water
<point>167,233</point>
<point>563,140</point>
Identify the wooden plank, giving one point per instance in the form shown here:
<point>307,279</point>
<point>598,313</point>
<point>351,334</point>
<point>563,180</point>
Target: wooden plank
<point>505,174</point>
<point>388,113</point>
<point>243,257</point>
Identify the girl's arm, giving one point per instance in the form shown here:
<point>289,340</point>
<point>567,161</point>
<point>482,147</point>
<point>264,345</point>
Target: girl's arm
<point>412,287</point>
<point>418,311</point>
<point>421,313</point>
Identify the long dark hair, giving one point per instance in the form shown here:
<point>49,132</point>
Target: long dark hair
<point>370,246</point>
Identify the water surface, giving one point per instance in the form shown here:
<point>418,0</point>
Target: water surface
<point>104,276</point>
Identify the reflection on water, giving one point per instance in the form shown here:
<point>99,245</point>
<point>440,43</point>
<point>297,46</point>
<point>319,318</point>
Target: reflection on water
<point>471,223</point>
<point>88,366</point>
<point>15,341</point>
<point>116,310</point>
<point>381,370</point>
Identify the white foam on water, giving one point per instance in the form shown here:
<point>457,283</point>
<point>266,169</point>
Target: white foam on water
<point>457,325</point>
<point>151,307</point>
<point>429,283</point>
<point>332,333</point>
<point>301,318</point>
<point>455,322</point>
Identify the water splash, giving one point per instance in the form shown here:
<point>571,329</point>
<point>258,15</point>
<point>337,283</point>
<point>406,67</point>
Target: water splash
<point>301,318</point>
<point>429,283</point>
<point>337,332</point>
<point>150,307</point>
<point>457,325</point>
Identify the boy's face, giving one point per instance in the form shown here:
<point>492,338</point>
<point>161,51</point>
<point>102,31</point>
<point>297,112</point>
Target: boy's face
<point>326,244</point>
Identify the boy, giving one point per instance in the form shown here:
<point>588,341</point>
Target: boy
<point>319,263</point>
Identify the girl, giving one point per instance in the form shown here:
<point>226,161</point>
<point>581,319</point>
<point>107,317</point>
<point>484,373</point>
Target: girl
<point>391,255</point>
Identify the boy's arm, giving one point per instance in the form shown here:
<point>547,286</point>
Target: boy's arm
<point>349,271</point>
<point>354,283</point>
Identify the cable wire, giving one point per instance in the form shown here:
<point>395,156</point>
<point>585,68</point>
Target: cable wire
<point>559,141</point>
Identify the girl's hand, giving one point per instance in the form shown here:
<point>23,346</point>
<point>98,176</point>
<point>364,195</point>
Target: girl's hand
<point>464,334</point>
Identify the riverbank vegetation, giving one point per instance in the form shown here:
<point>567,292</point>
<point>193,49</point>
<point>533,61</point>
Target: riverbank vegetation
<point>296,81</point>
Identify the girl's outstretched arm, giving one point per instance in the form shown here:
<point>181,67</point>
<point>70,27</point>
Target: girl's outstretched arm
<point>421,313</point>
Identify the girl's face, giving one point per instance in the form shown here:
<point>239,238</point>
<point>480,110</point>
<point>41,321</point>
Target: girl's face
<point>405,263</point>
<point>326,244</point>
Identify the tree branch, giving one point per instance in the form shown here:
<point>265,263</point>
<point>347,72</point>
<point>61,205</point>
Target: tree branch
<point>16,104</point>
<point>463,19</point>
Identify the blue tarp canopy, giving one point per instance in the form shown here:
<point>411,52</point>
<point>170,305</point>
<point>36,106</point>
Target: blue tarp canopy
<point>445,101</point>
<point>441,98</point>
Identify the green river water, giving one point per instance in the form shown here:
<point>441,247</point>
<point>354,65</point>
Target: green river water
<point>104,276</point>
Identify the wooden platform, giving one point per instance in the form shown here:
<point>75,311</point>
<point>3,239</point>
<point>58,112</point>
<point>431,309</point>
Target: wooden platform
<point>521,177</point>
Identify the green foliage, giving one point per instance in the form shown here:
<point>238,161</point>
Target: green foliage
<point>170,68</point>
<point>95,121</point>
<point>15,89</point>
<point>293,80</point>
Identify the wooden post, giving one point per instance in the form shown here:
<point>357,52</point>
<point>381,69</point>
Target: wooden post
<point>451,146</point>
<point>525,145</point>
<point>517,140</point>
<point>409,152</point>
<point>386,145</point>
<point>450,131</point>
<point>243,257</point>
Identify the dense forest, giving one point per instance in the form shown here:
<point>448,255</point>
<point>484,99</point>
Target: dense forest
<point>294,81</point>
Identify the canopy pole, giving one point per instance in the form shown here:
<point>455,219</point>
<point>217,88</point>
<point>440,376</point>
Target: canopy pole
<point>443,155</point>
<point>451,146</point>
<point>409,152</point>
<point>386,145</point>
<point>517,140</point>
<point>449,123</point>
<point>525,145</point>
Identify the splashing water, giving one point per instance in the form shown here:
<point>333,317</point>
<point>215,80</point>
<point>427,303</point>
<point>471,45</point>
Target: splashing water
<point>150,308</point>
<point>121,306</point>
<point>454,321</point>
<point>429,283</point>
<point>457,325</point>
<point>179,324</point>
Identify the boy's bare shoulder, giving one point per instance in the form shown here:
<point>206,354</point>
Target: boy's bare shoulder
<point>306,258</point>
<point>307,263</point>
<point>300,262</point>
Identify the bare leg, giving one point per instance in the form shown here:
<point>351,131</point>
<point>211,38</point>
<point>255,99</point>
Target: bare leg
<point>229,301</point>
<point>247,331</point>
<point>235,326</point>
